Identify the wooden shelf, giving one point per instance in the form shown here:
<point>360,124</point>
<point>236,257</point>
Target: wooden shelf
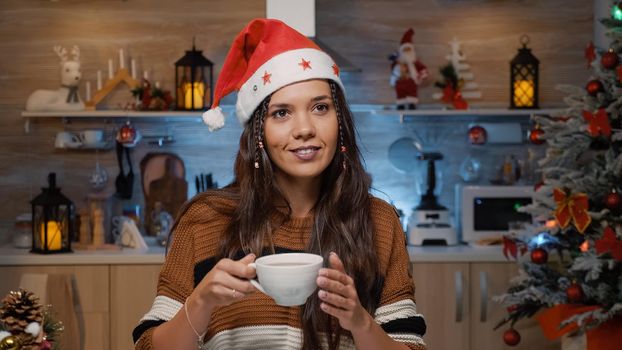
<point>376,109</point>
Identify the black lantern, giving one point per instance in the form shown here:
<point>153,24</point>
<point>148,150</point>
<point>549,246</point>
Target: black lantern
<point>524,78</point>
<point>194,81</point>
<point>52,215</point>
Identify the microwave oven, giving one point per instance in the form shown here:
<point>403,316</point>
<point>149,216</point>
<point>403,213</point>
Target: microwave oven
<point>486,211</point>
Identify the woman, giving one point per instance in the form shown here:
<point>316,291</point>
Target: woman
<point>299,186</point>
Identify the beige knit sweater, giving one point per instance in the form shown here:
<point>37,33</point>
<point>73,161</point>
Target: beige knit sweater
<point>256,322</point>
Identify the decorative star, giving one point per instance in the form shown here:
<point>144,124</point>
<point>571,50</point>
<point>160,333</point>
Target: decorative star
<point>590,53</point>
<point>335,69</point>
<point>266,78</point>
<point>305,64</point>
<point>610,244</point>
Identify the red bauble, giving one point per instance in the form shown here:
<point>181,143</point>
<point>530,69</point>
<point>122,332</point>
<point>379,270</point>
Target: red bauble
<point>511,337</point>
<point>574,293</point>
<point>127,133</point>
<point>477,135</point>
<point>535,135</point>
<point>45,345</point>
<point>594,87</point>
<point>539,256</point>
<point>537,186</point>
<point>613,200</point>
<point>610,59</point>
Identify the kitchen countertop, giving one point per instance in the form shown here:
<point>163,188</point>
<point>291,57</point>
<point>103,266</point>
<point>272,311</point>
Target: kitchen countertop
<point>10,256</point>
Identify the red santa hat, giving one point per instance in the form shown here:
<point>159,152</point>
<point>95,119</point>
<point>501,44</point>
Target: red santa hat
<point>407,38</point>
<point>264,57</point>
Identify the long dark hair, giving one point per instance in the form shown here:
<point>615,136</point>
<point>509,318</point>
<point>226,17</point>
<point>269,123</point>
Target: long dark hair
<point>342,221</point>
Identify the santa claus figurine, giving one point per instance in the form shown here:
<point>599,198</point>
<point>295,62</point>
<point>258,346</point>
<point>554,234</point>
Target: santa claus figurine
<point>407,73</point>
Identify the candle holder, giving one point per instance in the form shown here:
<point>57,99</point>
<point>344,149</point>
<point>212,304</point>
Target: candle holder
<point>52,224</point>
<point>524,76</point>
<point>194,81</point>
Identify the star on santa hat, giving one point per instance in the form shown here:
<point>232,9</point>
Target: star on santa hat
<point>266,78</point>
<point>305,64</point>
<point>336,69</point>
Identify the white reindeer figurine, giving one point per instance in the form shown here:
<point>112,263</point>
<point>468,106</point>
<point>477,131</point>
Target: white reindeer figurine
<point>66,98</point>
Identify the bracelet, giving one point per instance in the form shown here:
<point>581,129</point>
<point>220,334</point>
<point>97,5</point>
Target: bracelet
<point>200,342</point>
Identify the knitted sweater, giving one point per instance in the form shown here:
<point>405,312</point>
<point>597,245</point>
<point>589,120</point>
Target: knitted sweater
<point>256,322</point>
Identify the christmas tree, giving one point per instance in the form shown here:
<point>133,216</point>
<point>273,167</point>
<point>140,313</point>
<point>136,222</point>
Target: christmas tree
<point>578,211</point>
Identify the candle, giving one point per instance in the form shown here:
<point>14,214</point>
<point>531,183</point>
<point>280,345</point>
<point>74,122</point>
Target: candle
<point>157,84</point>
<point>54,236</point>
<point>121,59</point>
<point>146,74</point>
<point>193,94</point>
<point>88,90</point>
<point>99,80</point>
<point>133,68</point>
<point>523,93</point>
<point>110,69</point>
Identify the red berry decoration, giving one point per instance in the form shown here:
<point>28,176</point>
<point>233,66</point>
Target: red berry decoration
<point>477,135</point>
<point>535,135</point>
<point>45,345</point>
<point>594,87</point>
<point>537,186</point>
<point>511,337</point>
<point>512,308</point>
<point>613,200</point>
<point>539,256</point>
<point>610,59</point>
<point>574,293</point>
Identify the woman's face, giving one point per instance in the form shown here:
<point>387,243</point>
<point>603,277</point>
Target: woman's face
<point>301,130</point>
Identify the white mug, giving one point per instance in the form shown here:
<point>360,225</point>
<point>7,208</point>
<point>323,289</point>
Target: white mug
<point>287,278</point>
<point>92,137</point>
<point>66,139</point>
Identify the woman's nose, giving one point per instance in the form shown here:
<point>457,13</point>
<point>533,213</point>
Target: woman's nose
<point>304,127</point>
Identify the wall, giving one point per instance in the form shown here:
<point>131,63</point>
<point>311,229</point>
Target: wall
<point>157,32</point>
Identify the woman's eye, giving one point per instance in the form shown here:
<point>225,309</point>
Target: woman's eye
<point>322,107</point>
<point>281,113</point>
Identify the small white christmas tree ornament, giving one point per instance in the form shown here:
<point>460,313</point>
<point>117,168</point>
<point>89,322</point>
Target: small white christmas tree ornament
<point>469,88</point>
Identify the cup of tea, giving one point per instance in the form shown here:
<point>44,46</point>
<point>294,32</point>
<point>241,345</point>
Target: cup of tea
<point>287,278</point>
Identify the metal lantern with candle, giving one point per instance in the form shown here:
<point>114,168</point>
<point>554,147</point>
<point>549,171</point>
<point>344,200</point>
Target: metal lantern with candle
<point>52,214</point>
<point>524,78</point>
<point>194,81</point>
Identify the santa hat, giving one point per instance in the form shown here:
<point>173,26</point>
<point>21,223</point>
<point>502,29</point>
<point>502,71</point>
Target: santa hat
<point>407,38</point>
<point>264,57</point>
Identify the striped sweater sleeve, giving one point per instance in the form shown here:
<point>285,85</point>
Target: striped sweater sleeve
<point>397,312</point>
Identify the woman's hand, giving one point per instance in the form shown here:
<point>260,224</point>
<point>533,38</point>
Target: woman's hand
<point>339,298</point>
<point>227,282</point>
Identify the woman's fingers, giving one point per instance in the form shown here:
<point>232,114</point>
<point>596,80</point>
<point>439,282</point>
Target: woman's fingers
<point>238,268</point>
<point>336,300</point>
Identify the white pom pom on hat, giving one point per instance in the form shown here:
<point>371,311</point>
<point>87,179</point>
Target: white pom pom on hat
<point>264,57</point>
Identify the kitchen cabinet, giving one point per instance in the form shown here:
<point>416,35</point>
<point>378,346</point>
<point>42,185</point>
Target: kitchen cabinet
<point>91,288</point>
<point>111,299</point>
<point>132,289</point>
<point>456,300</point>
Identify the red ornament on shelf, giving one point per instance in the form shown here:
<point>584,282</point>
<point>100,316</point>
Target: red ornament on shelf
<point>127,133</point>
<point>477,135</point>
<point>610,59</point>
<point>537,186</point>
<point>535,135</point>
<point>511,337</point>
<point>574,293</point>
<point>539,256</point>
<point>613,200</point>
<point>594,87</point>
<point>512,308</point>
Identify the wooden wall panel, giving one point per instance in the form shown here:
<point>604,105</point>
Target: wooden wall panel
<point>157,32</point>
